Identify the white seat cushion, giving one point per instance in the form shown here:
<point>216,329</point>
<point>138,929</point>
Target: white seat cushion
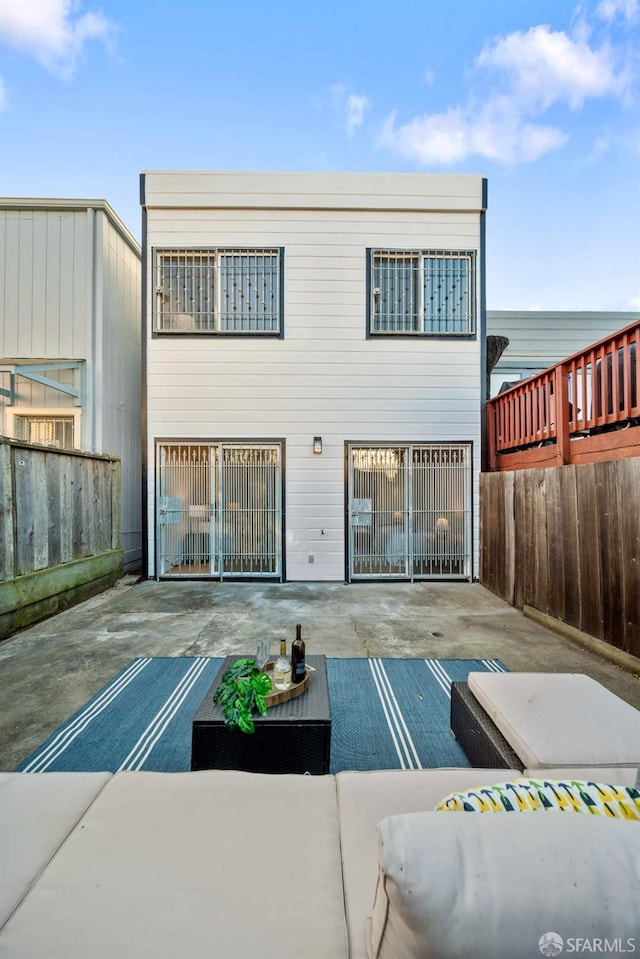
<point>365,798</point>
<point>492,887</point>
<point>560,719</point>
<point>615,775</point>
<point>215,864</point>
<point>37,813</point>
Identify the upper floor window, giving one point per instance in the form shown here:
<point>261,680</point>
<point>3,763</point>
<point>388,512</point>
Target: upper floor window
<point>219,291</point>
<point>424,293</point>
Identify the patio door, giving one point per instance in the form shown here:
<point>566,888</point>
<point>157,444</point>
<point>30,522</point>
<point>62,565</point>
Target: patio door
<point>219,510</point>
<point>409,511</point>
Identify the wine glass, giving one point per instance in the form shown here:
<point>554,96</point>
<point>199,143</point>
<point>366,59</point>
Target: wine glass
<point>262,653</point>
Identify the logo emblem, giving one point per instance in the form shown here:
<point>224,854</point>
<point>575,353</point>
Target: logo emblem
<point>551,944</point>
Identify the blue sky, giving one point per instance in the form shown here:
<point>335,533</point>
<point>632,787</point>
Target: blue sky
<point>540,96</point>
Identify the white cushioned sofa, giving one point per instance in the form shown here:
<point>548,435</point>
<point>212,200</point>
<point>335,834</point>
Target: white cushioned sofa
<point>233,865</point>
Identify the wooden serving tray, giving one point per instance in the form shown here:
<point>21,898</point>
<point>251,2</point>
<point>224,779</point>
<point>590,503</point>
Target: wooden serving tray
<point>277,696</point>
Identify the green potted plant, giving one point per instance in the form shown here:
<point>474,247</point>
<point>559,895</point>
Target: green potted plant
<point>242,689</point>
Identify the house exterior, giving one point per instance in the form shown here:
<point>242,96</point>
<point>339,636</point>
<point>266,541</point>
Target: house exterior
<point>539,339</point>
<point>314,348</point>
<point>70,350</point>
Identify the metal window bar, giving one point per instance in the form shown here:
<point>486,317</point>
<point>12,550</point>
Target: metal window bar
<point>429,292</point>
<point>249,292</point>
<point>217,290</point>
<point>396,292</point>
<point>448,292</point>
<point>218,508</point>
<point>186,510</point>
<point>250,509</point>
<point>378,481</point>
<point>410,511</point>
<point>55,431</point>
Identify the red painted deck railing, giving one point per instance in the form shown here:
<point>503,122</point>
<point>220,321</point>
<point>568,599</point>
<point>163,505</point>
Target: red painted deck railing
<point>591,396</point>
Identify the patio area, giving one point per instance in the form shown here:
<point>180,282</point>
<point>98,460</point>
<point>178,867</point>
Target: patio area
<point>50,670</point>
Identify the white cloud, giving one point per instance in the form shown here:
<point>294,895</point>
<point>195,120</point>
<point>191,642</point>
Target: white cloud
<point>634,303</point>
<point>530,72</point>
<point>609,9</point>
<point>601,145</point>
<point>54,32</point>
<point>493,133</point>
<point>356,105</point>
<point>543,67</point>
<point>350,106</point>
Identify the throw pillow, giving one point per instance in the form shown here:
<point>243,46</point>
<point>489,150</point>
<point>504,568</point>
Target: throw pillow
<point>491,887</point>
<point>552,795</point>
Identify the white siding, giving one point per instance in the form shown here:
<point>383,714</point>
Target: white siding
<point>538,339</point>
<point>118,390</point>
<point>324,377</point>
<point>44,273</point>
<point>320,191</point>
<point>70,290</point>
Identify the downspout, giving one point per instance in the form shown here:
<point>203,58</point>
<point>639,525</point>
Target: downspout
<point>149,566</point>
<point>88,432</point>
<point>483,329</point>
<point>477,557</point>
<point>99,411</point>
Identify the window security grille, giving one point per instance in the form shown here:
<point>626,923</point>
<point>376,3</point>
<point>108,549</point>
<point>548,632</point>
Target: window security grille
<point>217,291</point>
<point>410,511</point>
<point>425,293</point>
<point>219,510</point>
<point>45,430</point>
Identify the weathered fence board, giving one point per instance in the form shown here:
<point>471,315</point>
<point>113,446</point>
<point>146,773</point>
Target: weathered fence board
<point>629,505</point>
<point>589,568</point>
<point>7,537</point>
<point>56,506</point>
<point>566,541</point>
<point>495,534</point>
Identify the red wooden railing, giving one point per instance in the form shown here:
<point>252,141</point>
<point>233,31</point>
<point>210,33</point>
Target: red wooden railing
<point>590,397</point>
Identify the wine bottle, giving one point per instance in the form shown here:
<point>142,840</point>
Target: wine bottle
<point>298,664</point>
<point>282,668</point>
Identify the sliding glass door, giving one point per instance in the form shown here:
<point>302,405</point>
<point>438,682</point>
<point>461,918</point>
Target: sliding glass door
<point>219,510</point>
<point>409,511</point>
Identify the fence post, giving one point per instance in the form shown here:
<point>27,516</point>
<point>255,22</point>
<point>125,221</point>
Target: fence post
<point>492,458</point>
<point>561,390</point>
<point>7,518</point>
<point>116,510</point>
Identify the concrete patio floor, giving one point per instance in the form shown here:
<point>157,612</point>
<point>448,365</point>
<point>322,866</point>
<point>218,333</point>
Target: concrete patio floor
<point>49,671</point>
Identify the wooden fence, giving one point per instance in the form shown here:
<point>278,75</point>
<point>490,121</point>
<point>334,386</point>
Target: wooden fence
<point>56,506</point>
<point>566,541</point>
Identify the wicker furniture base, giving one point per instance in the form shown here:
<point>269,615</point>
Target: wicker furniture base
<point>294,737</point>
<point>483,743</point>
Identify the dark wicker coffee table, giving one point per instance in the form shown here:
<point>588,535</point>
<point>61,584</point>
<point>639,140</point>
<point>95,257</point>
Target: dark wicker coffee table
<point>483,743</point>
<point>294,737</point>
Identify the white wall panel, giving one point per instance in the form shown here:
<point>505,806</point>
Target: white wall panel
<point>121,425</point>
<point>542,338</point>
<point>313,190</point>
<point>324,377</point>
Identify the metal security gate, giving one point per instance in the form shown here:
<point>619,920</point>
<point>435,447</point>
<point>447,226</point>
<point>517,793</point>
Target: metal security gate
<point>219,510</point>
<point>409,511</point>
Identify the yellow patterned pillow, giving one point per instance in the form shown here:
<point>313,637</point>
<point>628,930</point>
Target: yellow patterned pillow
<point>552,795</point>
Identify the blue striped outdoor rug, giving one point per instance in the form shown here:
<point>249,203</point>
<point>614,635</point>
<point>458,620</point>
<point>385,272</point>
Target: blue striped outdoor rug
<point>385,714</point>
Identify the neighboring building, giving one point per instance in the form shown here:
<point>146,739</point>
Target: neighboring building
<point>314,348</point>
<point>539,339</point>
<point>70,336</point>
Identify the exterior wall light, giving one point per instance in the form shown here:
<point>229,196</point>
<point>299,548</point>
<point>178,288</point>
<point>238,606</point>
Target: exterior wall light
<point>317,445</point>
